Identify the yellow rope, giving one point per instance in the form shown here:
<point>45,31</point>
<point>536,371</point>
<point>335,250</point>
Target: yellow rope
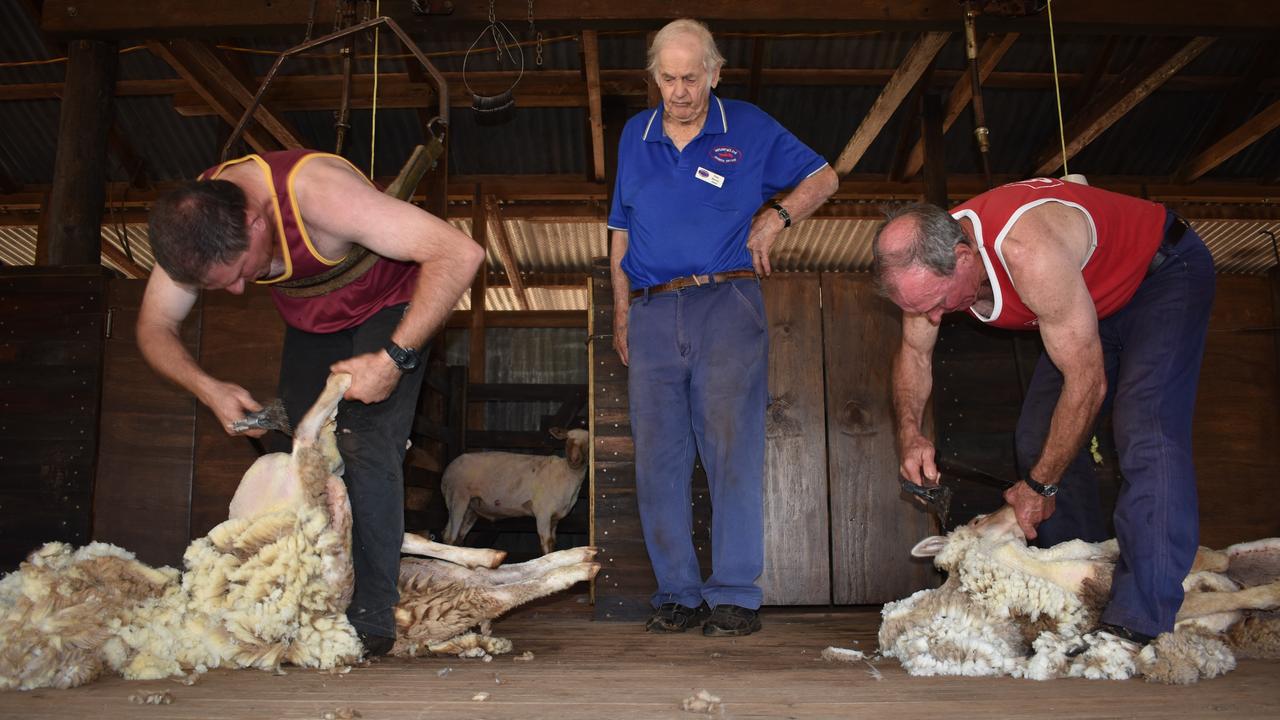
<point>373,115</point>
<point>1057,92</point>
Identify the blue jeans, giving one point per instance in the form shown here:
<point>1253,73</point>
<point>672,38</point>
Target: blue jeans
<point>699,378</point>
<point>371,440</point>
<point>1151,352</point>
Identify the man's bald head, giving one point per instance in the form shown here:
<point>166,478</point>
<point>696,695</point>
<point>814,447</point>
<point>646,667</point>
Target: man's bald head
<point>920,235</point>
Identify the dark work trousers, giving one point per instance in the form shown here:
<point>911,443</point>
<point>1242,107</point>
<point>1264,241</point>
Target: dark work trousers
<point>698,376</point>
<point>371,440</point>
<point>1151,351</point>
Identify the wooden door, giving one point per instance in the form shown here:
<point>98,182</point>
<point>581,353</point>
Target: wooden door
<point>797,568</point>
<point>872,527</point>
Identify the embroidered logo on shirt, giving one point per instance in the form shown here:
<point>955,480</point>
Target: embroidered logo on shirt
<point>709,177</point>
<point>1038,183</point>
<point>725,154</point>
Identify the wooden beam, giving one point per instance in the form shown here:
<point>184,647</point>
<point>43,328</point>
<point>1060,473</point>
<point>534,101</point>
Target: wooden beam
<point>1234,108</point>
<point>909,123</point>
<point>935,166</point>
<point>759,47</point>
<point>565,88</point>
<point>217,98</point>
<point>1092,77</point>
<point>542,280</point>
<point>169,18</point>
<point>1162,59</point>
<point>80,167</point>
<point>993,50</point>
<point>462,319</point>
<point>502,245</point>
<point>918,58</point>
<point>476,344</point>
<point>1233,142</point>
<point>591,69</point>
<point>131,269</point>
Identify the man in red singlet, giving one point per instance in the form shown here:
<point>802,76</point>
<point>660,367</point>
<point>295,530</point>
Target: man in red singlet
<point>1120,291</point>
<point>279,219</point>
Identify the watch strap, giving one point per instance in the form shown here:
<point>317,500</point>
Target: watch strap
<point>1040,488</point>
<point>782,213</point>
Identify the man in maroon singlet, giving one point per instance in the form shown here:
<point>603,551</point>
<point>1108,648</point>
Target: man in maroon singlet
<point>277,220</point>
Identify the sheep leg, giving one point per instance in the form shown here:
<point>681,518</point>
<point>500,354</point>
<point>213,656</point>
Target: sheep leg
<point>468,557</point>
<point>516,594</point>
<point>1198,604</point>
<point>412,570</point>
<point>546,532</point>
<point>322,411</point>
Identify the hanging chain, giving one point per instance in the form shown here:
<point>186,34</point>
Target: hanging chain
<point>537,34</point>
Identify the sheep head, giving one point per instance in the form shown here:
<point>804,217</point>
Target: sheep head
<point>575,445</point>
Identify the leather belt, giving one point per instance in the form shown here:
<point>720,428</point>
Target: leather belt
<point>681,283</point>
<point>1177,228</point>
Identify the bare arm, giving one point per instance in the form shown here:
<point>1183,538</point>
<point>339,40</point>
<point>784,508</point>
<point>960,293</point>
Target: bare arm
<point>800,203</point>
<point>1044,253</point>
<point>621,292</point>
<point>340,204</point>
<point>912,384</point>
<point>165,306</point>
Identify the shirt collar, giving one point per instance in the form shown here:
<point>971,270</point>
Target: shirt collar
<point>717,122</point>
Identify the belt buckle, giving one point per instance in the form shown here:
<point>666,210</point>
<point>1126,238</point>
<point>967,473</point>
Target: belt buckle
<point>695,280</point>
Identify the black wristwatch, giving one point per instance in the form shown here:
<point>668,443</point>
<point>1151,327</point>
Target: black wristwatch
<point>406,359</point>
<point>782,213</point>
<point>1040,488</point>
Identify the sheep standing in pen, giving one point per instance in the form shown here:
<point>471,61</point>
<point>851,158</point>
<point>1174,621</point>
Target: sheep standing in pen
<point>495,485</point>
<point>1010,609</point>
<point>267,587</point>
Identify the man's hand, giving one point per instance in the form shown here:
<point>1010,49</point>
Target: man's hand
<point>620,334</point>
<point>764,230</point>
<point>1029,507</point>
<point>917,464</point>
<point>230,402</point>
<point>373,376</point>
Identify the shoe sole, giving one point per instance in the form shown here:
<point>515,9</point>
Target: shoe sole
<point>713,631</point>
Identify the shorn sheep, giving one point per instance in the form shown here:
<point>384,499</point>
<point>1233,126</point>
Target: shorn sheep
<point>495,485</point>
<point>1009,609</point>
<point>267,587</point>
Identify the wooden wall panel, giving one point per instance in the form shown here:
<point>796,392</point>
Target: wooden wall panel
<point>51,327</point>
<point>872,527</point>
<point>1237,421</point>
<point>147,439</point>
<point>240,341</point>
<point>797,563</point>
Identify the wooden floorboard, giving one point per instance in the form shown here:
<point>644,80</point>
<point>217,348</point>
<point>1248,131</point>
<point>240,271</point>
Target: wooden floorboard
<point>588,669</point>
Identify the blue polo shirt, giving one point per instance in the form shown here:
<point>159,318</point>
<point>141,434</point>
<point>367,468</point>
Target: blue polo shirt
<point>689,212</point>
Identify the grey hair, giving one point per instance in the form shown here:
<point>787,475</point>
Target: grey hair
<point>931,245</point>
<point>712,60</point>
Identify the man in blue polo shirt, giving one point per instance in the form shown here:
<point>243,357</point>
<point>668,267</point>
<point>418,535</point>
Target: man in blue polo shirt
<point>687,248</point>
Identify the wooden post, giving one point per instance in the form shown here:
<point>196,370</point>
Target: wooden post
<point>80,170</point>
<point>1274,275</point>
<point>476,354</point>
<point>935,161</point>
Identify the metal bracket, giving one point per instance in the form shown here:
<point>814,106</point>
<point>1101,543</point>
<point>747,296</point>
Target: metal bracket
<point>437,78</point>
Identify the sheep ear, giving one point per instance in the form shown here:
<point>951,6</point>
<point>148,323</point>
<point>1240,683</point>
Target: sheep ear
<point>558,433</point>
<point>929,547</point>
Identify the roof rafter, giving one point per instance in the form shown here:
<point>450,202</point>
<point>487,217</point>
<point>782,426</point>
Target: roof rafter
<point>993,49</point>
<point>1231,143</point>
<point>1161,60</point>
<point>159,18</point>
<point>918,58</point>
<point>502,245</point>
<point>218,85</point>
<point>591,70</point>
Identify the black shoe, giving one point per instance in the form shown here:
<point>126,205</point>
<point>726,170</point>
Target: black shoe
<point>1124,633</point>
<point>376,645</point>
<point>731,621</point>
<point>674,617</point>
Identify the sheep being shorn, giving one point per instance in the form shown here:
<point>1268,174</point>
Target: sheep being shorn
<point>1009,609</point>
<point>267,587</point>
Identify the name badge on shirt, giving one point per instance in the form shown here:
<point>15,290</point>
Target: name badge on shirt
<point>709,177</point>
